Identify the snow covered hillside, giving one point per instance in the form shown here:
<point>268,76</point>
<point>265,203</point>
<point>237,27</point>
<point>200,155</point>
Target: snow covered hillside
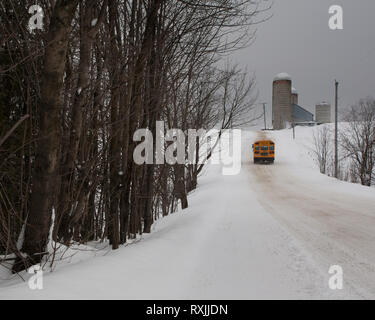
<point>273,231</point>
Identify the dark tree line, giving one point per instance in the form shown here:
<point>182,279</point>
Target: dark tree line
<point>73,94</point>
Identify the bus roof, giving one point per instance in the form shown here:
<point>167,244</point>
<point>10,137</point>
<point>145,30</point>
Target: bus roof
<point>264,141</point>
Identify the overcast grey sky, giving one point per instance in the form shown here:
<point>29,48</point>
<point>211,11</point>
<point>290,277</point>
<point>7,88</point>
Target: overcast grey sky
<point>297,40</point>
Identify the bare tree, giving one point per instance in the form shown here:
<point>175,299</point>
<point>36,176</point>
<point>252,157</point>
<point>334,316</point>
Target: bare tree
<point>358,140</point>
<point>73,96</point>
<point>46,159</point>
<point>323,148</point>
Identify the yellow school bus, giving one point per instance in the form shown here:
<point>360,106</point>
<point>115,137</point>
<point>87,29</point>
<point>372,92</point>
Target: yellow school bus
<point>264,151</point>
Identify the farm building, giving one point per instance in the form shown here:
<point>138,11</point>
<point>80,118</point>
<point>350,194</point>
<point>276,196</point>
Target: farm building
<point>285,108</point>
<point>323,113</point>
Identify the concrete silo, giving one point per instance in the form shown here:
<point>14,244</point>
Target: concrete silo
<point>294,96</point>
<point>282,101</point>
<point>323,112</point>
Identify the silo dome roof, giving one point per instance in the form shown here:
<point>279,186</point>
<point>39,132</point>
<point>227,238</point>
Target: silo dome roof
<point>324,103</point>
<point>294,90</point>
<point>282,76</point>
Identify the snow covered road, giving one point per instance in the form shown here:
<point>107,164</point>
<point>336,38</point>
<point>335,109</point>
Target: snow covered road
<point>272,231</point>
<point>335,221</point>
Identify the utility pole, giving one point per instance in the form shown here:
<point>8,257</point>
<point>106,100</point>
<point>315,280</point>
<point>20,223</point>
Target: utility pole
<point>264,115</point>
<point>336,143</point>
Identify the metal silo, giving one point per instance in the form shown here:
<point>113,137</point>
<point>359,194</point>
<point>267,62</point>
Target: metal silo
<point>294,96</point>
<point>323,112</point>
<point>282,101</point>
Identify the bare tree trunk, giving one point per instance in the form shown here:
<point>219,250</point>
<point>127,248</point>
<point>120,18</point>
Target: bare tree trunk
<point>180,185</point>
<point>46,160</point>
<point>87,37</point>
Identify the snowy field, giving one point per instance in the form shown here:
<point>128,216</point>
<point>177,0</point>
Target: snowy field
<point>271,232</point>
